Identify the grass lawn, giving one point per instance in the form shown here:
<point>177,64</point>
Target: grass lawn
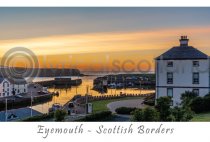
<point>203,117</point>
<point>102,105</point>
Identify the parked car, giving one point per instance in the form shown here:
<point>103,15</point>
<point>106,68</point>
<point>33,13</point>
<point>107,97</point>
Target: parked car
<point>18,96</point>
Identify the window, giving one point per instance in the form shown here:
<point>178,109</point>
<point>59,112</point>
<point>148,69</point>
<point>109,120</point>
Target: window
<point>5,84</point>
<point>195,63</point>
<point>195,78</point>
<point>196,91</point>
<point>169,78</point>
<point>170,64</point>
<point>170,92</point>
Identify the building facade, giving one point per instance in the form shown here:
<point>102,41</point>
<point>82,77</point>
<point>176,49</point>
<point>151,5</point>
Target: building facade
<point>182,68</point>
<point>8,88</point>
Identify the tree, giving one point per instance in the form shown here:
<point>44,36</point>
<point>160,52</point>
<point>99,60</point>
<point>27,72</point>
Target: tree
<point>177,113</point>
<point>151,114</point>
<point>187,98</point>
<point>188,114</point>
<point>138,115</point>
<point>147,114</point>
<point>60,115</point>
<point>181,114</point>
<point>206,102</point>
<point>163,107</point>
<point>197,105</point>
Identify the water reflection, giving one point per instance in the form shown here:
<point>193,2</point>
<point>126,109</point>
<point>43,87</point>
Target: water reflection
<point>65,94</point>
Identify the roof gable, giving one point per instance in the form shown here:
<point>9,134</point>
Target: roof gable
<point>182,53</point>
<point>12,81</point>
<point>2,79</point>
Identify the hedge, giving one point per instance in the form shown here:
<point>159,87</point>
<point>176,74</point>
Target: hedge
<point>125,110</point>
<point>100,116</point>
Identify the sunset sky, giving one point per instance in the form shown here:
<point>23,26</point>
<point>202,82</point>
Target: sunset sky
<point>98,39</point>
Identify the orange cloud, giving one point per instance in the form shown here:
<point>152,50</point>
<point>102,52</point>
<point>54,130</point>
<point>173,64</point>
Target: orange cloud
<point>147,44</point>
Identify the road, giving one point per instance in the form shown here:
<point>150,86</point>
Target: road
<point>125,103</point>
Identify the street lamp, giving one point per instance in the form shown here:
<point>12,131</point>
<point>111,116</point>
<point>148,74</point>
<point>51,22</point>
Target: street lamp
<point>86,100</point>
<point>140,86</point>
<point>6,110</point>
<point>31,105</point>
<point>115,84</point>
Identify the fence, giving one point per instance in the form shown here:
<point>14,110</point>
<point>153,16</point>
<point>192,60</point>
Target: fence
<point>109,97</point>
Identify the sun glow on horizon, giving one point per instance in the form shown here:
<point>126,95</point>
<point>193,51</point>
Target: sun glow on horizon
<point>101,49</point>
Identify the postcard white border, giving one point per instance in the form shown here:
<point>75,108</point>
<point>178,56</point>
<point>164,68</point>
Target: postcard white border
<point>113,3</point>
<point>24,132</point>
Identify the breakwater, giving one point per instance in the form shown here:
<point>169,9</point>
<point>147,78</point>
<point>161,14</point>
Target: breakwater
<point>60,82</point>
<point>25,102</point>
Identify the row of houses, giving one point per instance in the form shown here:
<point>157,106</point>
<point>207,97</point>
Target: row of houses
<point>9,88</point>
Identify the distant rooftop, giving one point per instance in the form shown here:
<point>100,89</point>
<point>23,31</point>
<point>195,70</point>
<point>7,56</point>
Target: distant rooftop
<point>18,114</point>
<point>23,81</point>
<point>182,52</point>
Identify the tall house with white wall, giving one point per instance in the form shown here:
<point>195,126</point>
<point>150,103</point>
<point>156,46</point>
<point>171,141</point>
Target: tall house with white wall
<point>182,68</point>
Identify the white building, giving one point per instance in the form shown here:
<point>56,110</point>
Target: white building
<point>182,68</point>
<point>7,88</point>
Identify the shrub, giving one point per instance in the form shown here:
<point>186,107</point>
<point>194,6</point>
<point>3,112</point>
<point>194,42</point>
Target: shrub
<point>151,114</point>
<point>124,110</point>
<point>60,115</point>
<point>100,116</point>
<point>197,105</point>
<point>163,107</point>
<point>40,117</point>
<point>200,104</point>
<point>206,103</point>
<point>188,115</point>
<point>171,117</point>
<point>187,98</point>
<point>180,114</point>
<point>147,114</point>
<point>150,100</point>
<point>138,115</point>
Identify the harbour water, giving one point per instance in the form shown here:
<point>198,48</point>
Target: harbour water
<point>65,94</point>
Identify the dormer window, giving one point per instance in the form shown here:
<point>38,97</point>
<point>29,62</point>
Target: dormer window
<point>169,64</point>
<point>195,63</point>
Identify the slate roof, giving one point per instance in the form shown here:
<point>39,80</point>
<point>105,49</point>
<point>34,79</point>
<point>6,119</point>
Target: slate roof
<point>182,53</point>
<point>18,114</point>
<point>23,81</point>
<point>1,79</point>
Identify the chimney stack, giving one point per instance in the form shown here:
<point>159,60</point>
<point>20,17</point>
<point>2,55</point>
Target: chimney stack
<point>184,41</point>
